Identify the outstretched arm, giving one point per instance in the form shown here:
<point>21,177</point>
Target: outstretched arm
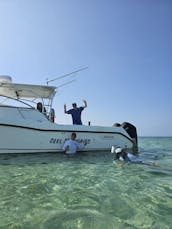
<point>81,146</point>
<point>65,146</point>
<point>85,103</point>
<point>65,111</point>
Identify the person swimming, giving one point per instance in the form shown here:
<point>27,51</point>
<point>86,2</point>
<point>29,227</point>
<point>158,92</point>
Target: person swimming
<point>122,155</point>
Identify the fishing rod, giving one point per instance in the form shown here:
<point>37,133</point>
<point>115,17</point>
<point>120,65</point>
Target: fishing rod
<point>68,74</point>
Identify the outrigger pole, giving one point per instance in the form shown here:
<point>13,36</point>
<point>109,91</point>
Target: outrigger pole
<point>61,85</point>
<point>68,74</point>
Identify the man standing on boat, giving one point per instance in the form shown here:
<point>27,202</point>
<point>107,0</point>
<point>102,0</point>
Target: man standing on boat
<point>76,112</point>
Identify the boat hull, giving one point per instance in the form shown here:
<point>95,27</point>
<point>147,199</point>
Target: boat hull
<point>26,139</point>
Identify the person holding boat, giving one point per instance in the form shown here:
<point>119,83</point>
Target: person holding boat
<point>71,145</point>
<point>76,112</point>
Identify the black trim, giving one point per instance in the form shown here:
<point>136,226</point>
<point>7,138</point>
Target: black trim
<point>70,131</point>
<point>27,151</point>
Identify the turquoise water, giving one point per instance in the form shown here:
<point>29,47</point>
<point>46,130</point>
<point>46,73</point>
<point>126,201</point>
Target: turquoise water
<point>87,191</point>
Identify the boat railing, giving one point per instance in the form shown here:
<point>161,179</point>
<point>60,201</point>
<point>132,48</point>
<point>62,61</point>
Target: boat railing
<point>26,103</point>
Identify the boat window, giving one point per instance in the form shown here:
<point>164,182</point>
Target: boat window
<point>19,113</point>
<point>29,113</point>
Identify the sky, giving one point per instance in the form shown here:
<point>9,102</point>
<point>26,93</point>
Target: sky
<point>126,45</point>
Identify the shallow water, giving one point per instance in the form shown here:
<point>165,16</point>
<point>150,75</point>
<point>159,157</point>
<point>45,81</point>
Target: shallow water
<point>87,190</point>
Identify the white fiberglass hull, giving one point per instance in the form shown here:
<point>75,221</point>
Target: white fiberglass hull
<point>25,139</point>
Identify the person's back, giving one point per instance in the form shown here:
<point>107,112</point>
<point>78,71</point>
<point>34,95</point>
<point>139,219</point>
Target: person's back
<point>123,156</point>
<point>133,158</point>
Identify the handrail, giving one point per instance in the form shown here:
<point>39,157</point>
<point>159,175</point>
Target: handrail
<point>18,100</point>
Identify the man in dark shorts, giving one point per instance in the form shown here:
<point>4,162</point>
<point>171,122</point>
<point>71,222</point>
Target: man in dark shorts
<point>76,112</point>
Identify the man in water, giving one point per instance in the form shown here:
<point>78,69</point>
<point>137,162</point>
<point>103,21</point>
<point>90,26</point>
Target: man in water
<point>71,145</point>
<point>76,112</point>
<point>123,156</point>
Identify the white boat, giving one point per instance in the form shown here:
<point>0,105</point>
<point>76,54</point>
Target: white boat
<point>24,129</point>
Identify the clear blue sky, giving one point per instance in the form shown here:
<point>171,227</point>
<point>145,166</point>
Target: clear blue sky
<point>126,44</point>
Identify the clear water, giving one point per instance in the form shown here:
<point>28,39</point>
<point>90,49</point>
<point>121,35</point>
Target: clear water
<point>87,191</point>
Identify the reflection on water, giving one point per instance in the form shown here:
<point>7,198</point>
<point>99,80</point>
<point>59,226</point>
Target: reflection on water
<point>87,190</point>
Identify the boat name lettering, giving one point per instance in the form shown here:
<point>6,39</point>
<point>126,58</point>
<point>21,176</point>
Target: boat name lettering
<point>60,141</point>
<point>85,141</point>
<point>56,140</point>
